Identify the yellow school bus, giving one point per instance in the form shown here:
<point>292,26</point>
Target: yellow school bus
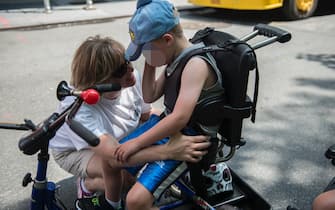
<point>292,9</point>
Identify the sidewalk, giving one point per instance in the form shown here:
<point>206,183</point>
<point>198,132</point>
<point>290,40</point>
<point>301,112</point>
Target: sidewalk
<point>33,15</point>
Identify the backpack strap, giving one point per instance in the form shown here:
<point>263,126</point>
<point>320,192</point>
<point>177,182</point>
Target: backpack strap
<point>199,35</point>
<point>219,47</point>
<point>254,103</point>
<point>174,71</point>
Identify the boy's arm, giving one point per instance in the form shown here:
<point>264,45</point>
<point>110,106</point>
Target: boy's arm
<point>180,147</point>
<point>193,79</point>
<point>152,89</point>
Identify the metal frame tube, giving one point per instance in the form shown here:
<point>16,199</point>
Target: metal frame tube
<point>47,8</point>
<point>249,36</point>
<point>265,42</point>
<point>89,5</point>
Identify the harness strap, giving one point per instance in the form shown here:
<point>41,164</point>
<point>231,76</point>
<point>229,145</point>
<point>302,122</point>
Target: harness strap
<point>253,114</point>
<point>226,47</point>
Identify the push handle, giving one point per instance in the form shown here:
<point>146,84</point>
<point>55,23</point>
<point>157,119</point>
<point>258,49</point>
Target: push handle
<point>84,133</point>
<point>271,31</point>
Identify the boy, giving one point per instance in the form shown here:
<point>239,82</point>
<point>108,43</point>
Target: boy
<point>156,32</point>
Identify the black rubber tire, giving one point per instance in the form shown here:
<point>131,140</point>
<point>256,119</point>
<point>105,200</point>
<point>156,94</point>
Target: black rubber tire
<point>292,11</point>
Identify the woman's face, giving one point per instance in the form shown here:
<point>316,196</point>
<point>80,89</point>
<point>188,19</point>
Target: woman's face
<point>127,80</point>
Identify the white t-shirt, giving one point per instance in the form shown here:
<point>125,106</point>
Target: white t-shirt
<point>116,117</point>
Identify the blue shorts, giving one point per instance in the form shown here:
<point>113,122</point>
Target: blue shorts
<point>159,175</point>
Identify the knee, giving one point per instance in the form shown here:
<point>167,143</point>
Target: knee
<point>94,184</point>
<point>109,168</point>
<point>133,201</point>
<point>137,200</point>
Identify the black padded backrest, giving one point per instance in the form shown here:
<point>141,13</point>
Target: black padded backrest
<point>235,59</point>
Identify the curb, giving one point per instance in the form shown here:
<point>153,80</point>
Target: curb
<point>82,22</point>
<point>63,24</point>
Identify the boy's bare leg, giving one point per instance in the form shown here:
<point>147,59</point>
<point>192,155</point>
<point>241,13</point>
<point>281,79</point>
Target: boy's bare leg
<point>139,198</point>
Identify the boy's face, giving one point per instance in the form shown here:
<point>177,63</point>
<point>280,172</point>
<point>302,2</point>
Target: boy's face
<point>155,52</point>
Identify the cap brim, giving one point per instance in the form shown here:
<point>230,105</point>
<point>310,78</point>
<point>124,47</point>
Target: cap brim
<point>133,51</point>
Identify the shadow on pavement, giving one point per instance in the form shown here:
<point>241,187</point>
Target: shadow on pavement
<point>68,191</point>
<point>325,8</point>
<point>327,60</point>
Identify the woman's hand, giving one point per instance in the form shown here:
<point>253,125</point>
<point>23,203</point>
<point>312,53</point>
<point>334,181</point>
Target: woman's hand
<point>187,148</point>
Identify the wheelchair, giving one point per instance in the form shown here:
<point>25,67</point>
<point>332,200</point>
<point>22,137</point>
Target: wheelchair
<point>226,190</point>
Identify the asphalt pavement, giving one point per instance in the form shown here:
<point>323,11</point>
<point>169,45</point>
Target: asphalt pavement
<point>283,159</point>
<point>30,14</point>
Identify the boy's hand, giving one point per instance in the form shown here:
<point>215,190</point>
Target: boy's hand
<point>187,148</point>
<point>124,151</point>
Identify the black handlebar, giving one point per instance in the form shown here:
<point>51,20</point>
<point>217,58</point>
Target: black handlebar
<point>14,126</point>
<point>84,133</point>
<point>101,88</point>
<point>39,136</point>
<point>272,34</point>
<point>63,89</point>
<point>33,141</point>
<point>78,128</point>
<point>271,31</point>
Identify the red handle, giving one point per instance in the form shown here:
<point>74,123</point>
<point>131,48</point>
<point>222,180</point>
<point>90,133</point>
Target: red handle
<point>90,96</point>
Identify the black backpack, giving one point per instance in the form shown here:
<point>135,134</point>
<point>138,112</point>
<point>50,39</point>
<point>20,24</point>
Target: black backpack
<point>234,58</point>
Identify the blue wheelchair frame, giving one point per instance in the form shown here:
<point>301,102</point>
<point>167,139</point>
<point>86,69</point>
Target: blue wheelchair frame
<point>43,193</point>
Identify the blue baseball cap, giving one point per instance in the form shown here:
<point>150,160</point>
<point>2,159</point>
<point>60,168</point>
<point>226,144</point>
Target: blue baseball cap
<point>151,20</point>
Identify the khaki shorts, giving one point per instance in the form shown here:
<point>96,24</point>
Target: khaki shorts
<point>74,162</point>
